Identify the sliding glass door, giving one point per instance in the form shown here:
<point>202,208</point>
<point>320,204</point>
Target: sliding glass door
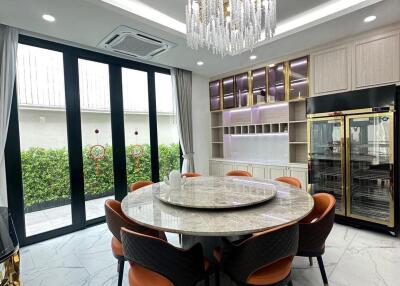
<point>83,127</point>
<point>136,121</point>
<point>43,140</point>
<point>94,91</point>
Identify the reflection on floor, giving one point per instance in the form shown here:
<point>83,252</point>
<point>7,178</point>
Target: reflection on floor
<point>53,218</point>
<point>353,258</point>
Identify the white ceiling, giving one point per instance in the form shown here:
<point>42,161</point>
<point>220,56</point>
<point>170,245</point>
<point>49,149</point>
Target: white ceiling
<point>87,22</point>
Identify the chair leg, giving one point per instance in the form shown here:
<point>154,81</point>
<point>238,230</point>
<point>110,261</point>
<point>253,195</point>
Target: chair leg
<point>290,283</point>
<point>207,281</point>
<point>121,263</point>
<point>322,269</point>
<point>311,261</point>
<point>216,276</point>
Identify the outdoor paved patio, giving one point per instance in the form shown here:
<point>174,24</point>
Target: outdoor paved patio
<point>49,219</point>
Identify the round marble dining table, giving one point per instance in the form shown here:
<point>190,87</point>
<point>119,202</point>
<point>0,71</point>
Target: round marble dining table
<point>287,205</point>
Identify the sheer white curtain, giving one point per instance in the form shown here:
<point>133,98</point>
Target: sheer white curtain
<point>8,59</point>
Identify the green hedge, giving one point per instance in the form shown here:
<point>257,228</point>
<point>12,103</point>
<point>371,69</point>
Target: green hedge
<point>46,171</point>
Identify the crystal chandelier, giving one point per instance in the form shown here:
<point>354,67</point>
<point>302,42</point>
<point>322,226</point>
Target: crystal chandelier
<point>228,27</point>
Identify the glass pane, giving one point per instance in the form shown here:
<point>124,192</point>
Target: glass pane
<point>242,89</point>
<point>168,136</point>
<point>43,136</point>
<point>136,121</point>
<point>370,167</point>
<point>326,159</point>
<point>276,83</point>
<point>229,99</point>
<point>298,82</point>
<point>94,93</point>
<point>259,85</point>
<point>215,96</point>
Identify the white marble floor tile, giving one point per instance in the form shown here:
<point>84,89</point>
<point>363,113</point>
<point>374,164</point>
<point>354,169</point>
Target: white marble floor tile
<point>353,258</point>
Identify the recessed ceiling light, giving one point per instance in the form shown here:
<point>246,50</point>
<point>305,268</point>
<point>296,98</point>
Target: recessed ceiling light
<point>370,19</point>
<point>271,65</point>
<point>253,57</point>
<point>200,63</point>
<point>48,18</point>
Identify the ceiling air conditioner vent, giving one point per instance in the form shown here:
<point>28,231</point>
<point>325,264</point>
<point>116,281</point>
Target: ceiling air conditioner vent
<point>127,41</point>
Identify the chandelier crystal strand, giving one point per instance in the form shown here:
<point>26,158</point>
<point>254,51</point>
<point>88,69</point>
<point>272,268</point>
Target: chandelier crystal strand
<point>229,27</point>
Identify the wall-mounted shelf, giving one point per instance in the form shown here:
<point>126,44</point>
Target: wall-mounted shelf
<point>256,129</point>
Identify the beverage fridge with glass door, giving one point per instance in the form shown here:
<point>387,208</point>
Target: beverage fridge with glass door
<point>352,154</point>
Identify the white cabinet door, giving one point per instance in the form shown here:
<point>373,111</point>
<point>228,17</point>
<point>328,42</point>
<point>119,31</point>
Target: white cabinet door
<point>216,168</point>
<point>242,167</point>
<point>377,60</point>
<point>276,171</point>
<point>331,70</point>
<point>300,174</point>
<point>257,171</point>
<point>227,167</point>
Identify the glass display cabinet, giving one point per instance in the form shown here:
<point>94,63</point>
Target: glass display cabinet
<point>276,83</point>
<point>327,158</point>
<point>242,89</point>
<point>298,78</point>
<point>370,162</point>
<point>215,95</point>
<point>352,158</point>
<point>259,77</point>
<point>228,97</point>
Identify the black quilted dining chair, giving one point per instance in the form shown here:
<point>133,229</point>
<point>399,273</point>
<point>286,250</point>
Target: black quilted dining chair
<point>156,262</point>
<point>263,259</point>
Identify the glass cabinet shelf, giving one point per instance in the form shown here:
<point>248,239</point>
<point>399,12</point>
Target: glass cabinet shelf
<point>276,83</point>
<point>259,77</point>
<point>242,89</point>
<point>215,95</point>
<point>228,93</point>
<point>298,78</point>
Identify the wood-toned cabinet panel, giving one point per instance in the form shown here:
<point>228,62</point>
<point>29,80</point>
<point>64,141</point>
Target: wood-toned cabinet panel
<point>227,167</point>
<point>257,171</point>
<point>216,168</point>
<point>377,61</point>
<point>300,174</point>
<point>242,167</point>
<point>275,172</point>
<point>331,70</point>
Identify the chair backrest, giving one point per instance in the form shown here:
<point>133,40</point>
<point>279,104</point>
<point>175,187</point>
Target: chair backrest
<point>315,228</point>
<point>239,173</point>
<point>191,175</point>
<point>140,184</point>
<point>243,259</point>
<point>290,180</point>
<point>182,267</point>
<point>116,219</point>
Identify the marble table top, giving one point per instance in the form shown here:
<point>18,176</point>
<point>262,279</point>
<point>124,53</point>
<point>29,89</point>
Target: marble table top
<point>217,193</point>
<point>289,205</point>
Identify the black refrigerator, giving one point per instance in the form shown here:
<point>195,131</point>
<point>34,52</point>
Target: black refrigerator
<point>353,155</point>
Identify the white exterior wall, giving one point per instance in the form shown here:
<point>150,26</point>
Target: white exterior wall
<point>47,129</point>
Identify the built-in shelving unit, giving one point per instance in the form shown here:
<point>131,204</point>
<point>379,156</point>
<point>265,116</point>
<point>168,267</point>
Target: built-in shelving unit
<point>261,103</point>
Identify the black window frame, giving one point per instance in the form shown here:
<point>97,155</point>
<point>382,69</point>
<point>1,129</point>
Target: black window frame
<point>71,55</point>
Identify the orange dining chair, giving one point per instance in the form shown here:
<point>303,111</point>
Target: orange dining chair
<point>191,175</point>
<point>315,228</point>
<point>239,173</point>
<point>116,219</point>
<point>140,184</point>
<point>290,180</point>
